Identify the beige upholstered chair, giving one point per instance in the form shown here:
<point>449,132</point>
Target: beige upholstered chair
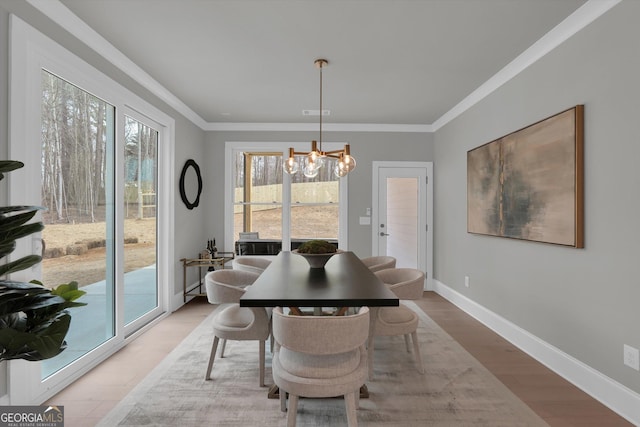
<point>407,284</point>
<point>320,356</point>
<point>376,263</point>
<point>233,322</point>
<point>252,264</point>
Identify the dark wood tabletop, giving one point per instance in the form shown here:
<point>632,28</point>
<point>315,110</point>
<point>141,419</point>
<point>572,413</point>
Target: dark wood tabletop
<point>344,282</point>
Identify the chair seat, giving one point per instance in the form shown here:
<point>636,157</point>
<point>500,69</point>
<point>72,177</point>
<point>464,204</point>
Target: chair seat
<point>319,366</point>
<point>395,315</point>
<point>399,320</point>
<point>320,387</point>
<point>234,317</point>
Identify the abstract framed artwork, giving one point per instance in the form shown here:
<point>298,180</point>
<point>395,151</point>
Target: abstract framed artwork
<point>529,185</point>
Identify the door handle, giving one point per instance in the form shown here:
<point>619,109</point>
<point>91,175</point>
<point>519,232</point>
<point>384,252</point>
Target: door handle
<point>382,233</point>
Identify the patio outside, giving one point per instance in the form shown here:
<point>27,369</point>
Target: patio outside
<point>87,268</point>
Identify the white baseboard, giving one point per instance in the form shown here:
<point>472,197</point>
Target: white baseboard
<point>610,393</point>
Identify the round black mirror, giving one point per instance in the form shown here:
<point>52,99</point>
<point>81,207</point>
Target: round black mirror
<point>190,184</point>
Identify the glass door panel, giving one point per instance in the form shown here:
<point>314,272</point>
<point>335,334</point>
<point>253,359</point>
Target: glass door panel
<point>140,222</point>
<point>402,221</point>
<point>77,190</point>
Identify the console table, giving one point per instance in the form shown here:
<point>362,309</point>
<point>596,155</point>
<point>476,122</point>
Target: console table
<point>214,263</point>
<point>268,246</point>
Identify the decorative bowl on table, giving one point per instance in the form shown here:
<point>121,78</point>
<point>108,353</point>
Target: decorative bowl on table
<point>316,252</point>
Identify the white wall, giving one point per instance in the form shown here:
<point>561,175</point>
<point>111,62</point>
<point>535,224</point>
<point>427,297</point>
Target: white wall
<point>585,301</point>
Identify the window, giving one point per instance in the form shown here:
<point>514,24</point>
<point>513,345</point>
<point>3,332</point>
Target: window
<point>258,194</point>
<point>315,204</point>
<point>278,206</point>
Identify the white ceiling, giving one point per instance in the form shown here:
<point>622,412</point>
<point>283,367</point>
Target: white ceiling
<point>390,61</point>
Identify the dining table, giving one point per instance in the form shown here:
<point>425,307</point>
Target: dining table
<point>343,282</point>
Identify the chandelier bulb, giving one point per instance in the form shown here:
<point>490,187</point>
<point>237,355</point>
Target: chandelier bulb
<point>310,170</point>
<point>291,166</point>
<point>349,162</point>
<point>340,172</point>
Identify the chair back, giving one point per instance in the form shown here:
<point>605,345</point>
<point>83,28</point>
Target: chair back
<point>406,283</point>
<point>321,334</point>
<point>227,286</point>
<point>252,264</point>
<point>376,263</point>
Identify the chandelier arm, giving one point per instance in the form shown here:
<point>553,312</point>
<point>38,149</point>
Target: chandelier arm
<point>334,152</point>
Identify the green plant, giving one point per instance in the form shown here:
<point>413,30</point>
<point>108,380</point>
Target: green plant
<point>316,247</point>
<point>33,319</point>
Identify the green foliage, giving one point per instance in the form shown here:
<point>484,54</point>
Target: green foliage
<point>316,247</point>
<point>33,319</point>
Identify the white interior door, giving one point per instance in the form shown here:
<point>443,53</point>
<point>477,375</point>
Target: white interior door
<point>402,212</point>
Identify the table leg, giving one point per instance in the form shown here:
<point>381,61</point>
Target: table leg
<point>341,311</point>
<point>373,316</point>
<point>296,311</point>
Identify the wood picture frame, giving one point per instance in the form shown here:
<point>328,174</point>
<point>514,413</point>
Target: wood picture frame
<point>529,184</point>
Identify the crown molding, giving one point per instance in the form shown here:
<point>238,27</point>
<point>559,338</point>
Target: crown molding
<point>310,127</point>
<point>582,17</point>
<point>62,16</point>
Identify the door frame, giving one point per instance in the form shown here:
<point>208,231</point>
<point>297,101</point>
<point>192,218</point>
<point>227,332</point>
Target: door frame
<point>425,199</point>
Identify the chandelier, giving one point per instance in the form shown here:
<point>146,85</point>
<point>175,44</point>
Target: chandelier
<point>315,159</point>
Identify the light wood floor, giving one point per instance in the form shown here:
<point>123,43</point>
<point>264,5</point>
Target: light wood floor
<point>552,398</point>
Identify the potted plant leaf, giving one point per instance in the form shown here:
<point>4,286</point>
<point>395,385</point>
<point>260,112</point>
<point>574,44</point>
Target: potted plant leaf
<point>34,320</point>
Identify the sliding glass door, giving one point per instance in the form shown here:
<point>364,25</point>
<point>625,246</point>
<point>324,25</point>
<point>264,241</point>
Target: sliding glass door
<point>140,193</point>
<point>111,255</point>
<point>78,194</point>
<point>100,160</point>
<point>79,238</point>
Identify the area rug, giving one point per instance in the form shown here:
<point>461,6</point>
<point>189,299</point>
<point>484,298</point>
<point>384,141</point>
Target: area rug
<point>455,390</point>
